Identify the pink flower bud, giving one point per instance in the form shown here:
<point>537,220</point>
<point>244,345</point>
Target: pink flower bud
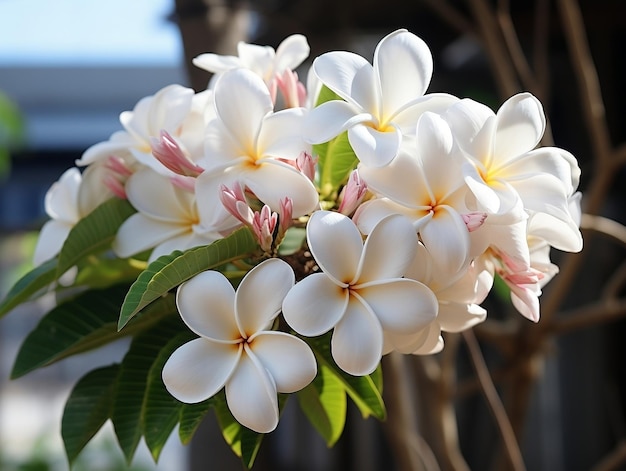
<point>352,194</point>
<point>117,174</point>
<point>263,225</point>
<point>291,88</point>
<point>474,220</point>
<point>305,163</point>
<point>183,182</point>
<point>234,200</point>
<point>285,215</point>
<point>168,152</point>
<point>115,185</point>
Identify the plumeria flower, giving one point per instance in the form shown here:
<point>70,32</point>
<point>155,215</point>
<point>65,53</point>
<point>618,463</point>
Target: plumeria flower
<point>68,200</point>
<point>381,102</point>
<point>264,61</point>
<point>237,350</point>
<point>360,291</point>
<point>507,169</point>
<point>174,109</point>
<point>167,218</point>
<point>248,144</point>
<point>427,186</point>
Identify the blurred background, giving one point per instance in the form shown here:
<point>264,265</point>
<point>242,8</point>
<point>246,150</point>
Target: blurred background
<point>69,67</point>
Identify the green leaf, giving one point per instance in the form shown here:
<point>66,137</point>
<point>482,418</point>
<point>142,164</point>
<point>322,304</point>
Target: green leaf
<point>127,414</point>
<point>335,168</point>
<point>89,406</point>
<point>293,241</point>
<point>31,285</point>
<point>169,271</point>
<point>161,411</point>
<point>93,233</point>
<point>363,390</point>
<point>324,404</point>
<point>81,324</point>
<point>191,416</point>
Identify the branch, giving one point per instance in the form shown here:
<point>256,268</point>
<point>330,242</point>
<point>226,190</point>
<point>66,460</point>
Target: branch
<point>614,459</point>
<point>495,404</point>
<point>604,226</point>
<point>449,14</point>
<point>587,316</point>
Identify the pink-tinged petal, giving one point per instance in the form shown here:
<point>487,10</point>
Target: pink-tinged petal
<point>242,100</point>
<point>260,295</point>
<point>216,63</point>
<point>373,147</point>
<point>139,233</point>
<point>61,201</point>
<point>314,305</point>
<point>357,341</point>
<point>281,135</point>
<point>447,239</point>
<point>50,240</point>
<point>378,262</point>
<point>473,126</point>
<point>526,301</point>
<point>251,395</point>
<point>558,229</point>
<point>404,66</point>
<point>401,305</point>
<point>198,369</point>
<point>457,317</point>
<point>521,124</point>
<point>272,181</point>
<point>206,304</point>
<point>336,245</point>
<point>330,119</point>
<point>291,52</point>
<point>288,359</point>
<point>351,77</point>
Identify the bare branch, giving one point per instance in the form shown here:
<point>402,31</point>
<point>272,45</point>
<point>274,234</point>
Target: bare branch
<point>588,316</point>
<point>449,14</point>
<point>604,226</point>
<point>613,460</point>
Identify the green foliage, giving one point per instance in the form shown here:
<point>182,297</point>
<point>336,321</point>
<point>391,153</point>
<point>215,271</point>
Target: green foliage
<point>11,131</point>
<point>169,271</point>
<point>30,286</point>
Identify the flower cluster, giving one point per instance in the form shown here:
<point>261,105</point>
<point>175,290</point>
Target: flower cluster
<point>404,205</point>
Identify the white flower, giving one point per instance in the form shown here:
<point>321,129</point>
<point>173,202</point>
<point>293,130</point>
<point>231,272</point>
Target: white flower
<point>427,186</point>
<point>237,349</point>
<point>167,218</point>
<point>382,102</point>
<point>507,169</point>
<point>264,61</point>
<point>360,291</point>
<point>246,143</point>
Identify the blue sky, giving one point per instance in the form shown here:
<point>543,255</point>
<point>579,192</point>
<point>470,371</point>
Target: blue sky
<point>87,32</point>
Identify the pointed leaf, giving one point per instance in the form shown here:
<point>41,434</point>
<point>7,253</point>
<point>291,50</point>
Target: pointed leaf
<point>169,271</point>
<point>161,411</point>
<point>132,382</point>
<point>30,286</point>
<point>324,404</point>
<point>94,232</point>
<point>363,390</point>
<point>81,324</point>
<point>89,406</point>
<point>191,416</point>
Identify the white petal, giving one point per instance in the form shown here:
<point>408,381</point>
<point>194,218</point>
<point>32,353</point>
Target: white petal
<point>199,369</point>
<point>351,77</point>
<point>330,119</point>
<point>251,395</point>
<point>314,305</point>
<point>373,147</point>
<point>242,100</point>
<point>281,135</point>
<point>357,340</point>
<point>206,304</point>
<point>373,211</point>
<point>521,124</point>
<point>405,66</point>
<point>216,63</point>
<point>139,233</point>
<point>258,59</point>
<point>457,317</point>
<point>61,200</point>
<point>184,241</point>
<point>118,143</point>
<point>260,295</point>
<point>432,342</point>
<point>473,125</point>
<point>272,181</point>
<point>288,359</point>
<point>406,118</point>
<point>291,52</point>
<point>336,245</point>
<point>526,301</point>
<point>434,137</point>
<point>447,239</point>
<point>379,260</point>
<point>50,240</point>
<point>558,229</point>
<point>401,305</point>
